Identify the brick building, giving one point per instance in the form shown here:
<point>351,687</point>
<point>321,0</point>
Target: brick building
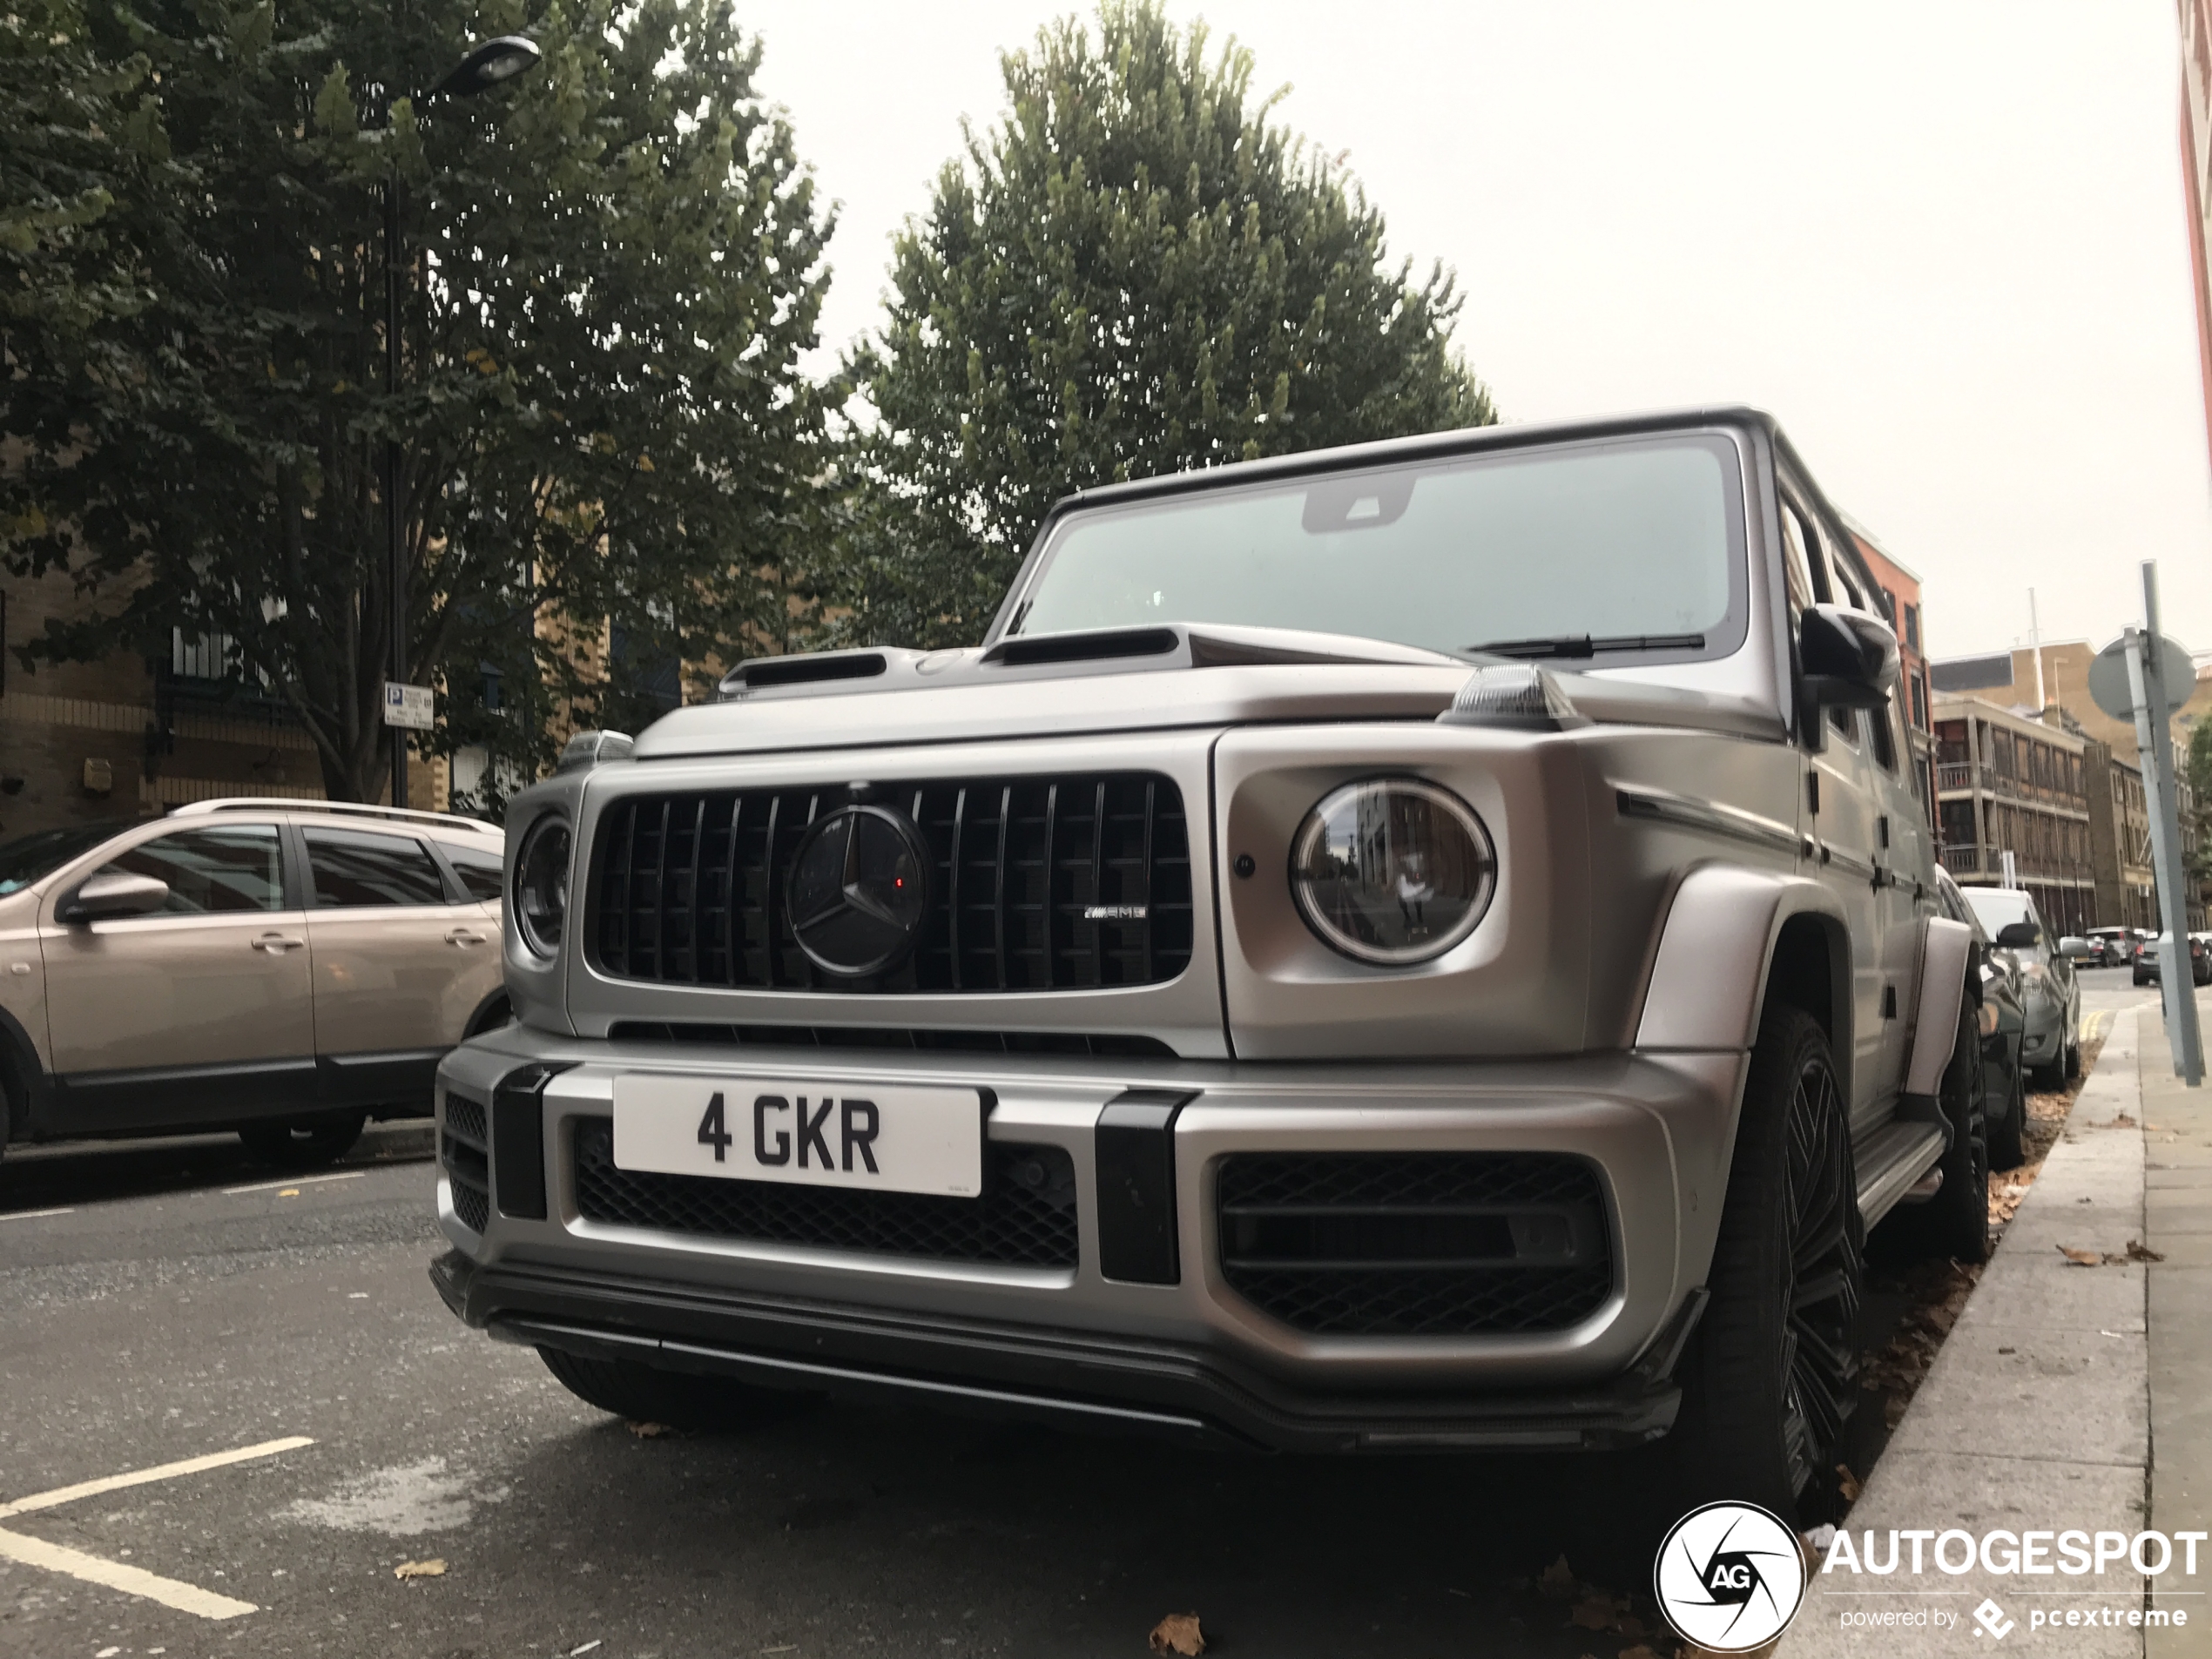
<point>2005,784</point>
<point>1898,592</point>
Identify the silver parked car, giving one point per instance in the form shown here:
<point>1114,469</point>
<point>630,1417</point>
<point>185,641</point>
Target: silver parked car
<point>1429,945</point>
<point>283,968</point>
<point>2051,1046</point>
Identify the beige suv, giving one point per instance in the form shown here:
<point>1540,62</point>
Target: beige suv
<point>281,969</point>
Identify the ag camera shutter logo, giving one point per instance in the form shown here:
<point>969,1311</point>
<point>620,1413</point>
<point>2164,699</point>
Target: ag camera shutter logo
<point>1731,1576</point>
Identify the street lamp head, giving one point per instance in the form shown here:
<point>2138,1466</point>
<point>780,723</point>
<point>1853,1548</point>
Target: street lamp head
<point>488,65</point>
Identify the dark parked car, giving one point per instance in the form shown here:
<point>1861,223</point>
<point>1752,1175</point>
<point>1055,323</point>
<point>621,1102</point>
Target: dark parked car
<point>2050,993</point>
<point>2146,961</point>
<point>2002,1021</point>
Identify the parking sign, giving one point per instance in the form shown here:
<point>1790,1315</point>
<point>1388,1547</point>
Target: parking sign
<point>409,705</point>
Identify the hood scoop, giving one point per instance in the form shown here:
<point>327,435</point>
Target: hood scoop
<point>1030,650</point>
<point>763,673</point>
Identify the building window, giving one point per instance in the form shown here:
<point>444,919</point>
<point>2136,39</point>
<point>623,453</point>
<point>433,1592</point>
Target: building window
<point>1912,627</point>
<point>1919,703</point>
<point>1889,608</point>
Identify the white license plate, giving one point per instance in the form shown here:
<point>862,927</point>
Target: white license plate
<point>892,1139</point>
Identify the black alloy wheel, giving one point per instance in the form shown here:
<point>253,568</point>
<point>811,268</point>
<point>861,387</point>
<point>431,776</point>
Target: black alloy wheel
<point>1955,1222</point>
<point>2009,1134</point>
<point>1771,1378</point>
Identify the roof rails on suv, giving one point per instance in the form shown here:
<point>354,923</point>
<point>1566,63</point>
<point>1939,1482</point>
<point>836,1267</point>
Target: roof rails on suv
<point>336,808</point>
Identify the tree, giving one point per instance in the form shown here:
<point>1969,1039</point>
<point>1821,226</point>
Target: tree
<point>614,266</point>
<point>1133,273</point>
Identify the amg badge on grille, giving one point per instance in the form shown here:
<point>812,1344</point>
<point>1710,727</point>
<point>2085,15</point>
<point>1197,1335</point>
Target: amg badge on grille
<point>1116,912</point>
<point>858,890</point>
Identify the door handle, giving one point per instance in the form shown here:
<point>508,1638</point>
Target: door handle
<point>462,936</point>
<point>277,942</point>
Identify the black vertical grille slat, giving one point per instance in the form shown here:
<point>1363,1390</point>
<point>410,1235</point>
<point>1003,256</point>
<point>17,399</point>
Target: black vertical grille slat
<point>688,888</point>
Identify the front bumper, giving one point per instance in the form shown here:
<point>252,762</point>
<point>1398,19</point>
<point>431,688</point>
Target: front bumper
<point>1189,1356</point>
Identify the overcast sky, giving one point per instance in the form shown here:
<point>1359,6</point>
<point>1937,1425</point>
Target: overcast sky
<point>1944,241</point>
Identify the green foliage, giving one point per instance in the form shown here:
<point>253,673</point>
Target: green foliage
<point>1134,272</point>
<point>614,263</point>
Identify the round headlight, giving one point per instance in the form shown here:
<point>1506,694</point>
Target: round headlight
<point>542,886</point>
<point>1393,871</point>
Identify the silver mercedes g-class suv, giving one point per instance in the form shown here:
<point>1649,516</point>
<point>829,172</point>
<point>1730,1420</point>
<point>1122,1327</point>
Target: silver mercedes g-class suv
<point>1426,945</point>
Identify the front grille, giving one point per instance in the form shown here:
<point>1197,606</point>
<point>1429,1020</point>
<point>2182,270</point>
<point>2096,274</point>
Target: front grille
<point>464,1151</point>
<point>1110,1045</point>
<point>1026,1217</point>
<point>689,888</point>
<point>1415,1244</point>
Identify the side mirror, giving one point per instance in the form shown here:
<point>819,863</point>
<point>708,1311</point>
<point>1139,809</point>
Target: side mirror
<point>2074,946</point>
<point>2018,935</point>
<point>1849,661</point>
<point>105,897</point>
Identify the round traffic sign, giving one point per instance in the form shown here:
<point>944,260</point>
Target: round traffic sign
<point>2108,677</point>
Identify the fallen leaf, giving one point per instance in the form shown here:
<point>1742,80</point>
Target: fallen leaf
<point>2082,1257</point>
<point>1557,1581</point>
<point>1627,1625</point>
<point>1847,1483</point>
<point>289,1192</point>
<point>2139,1251</point>
<point>1177,1633</point>
<point>2123,1121</point>
<point>1592,1616</point>
<point>648,1431</point>
<point>434,1568</point>
<point>594,1642</point>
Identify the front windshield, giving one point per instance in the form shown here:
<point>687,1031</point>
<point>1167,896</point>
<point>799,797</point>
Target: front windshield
<point>1615,548</point>
<point>25,858</point>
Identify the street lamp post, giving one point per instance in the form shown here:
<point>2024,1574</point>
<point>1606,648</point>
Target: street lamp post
<point>485,67</point>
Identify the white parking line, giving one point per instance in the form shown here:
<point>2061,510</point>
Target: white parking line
<point>160,1472</point>
<point>33,1215</point>
<point>120,1575</point>
<point>296,1180</point>
<point>115,1576</point>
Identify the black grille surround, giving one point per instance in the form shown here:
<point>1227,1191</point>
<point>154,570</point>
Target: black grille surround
<point>1025,1218</point>
<point>1415,1244</point>
<point>464,1152</point>
<point>902,1039</point>
<point>689,888</point>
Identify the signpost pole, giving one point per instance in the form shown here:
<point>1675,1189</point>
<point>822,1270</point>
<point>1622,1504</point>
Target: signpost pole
<point>2177,986</point>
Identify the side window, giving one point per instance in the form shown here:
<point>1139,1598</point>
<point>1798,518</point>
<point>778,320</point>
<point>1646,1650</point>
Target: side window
<point>353,868</point>
<point>1796,560</point>
<point>478,868</point>
<point>1882,723</point>
<point>212,872</point>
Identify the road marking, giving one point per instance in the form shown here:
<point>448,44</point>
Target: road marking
<point>160,1472</point>
<point>33,1215</point>
<point>118,1576</point>
<point>115,1575</point>
<point>296,1180</point>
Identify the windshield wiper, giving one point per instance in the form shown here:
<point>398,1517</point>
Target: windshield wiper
<point>1583,645</point>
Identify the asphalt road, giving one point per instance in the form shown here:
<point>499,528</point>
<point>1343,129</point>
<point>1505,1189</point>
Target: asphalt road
<point>187,1303</point>
<point>164,1303</point>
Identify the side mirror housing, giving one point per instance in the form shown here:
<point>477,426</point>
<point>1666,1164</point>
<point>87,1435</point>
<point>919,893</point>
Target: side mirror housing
<point>2074,946</point>
<point>105,897</point>
<point>2018,935</point>
<point>1849,661</point>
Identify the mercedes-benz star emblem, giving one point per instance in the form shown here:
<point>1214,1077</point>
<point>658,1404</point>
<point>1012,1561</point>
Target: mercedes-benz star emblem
<point>857,890</point>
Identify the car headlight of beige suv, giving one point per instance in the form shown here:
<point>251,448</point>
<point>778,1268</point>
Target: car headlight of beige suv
<point>1393,871</point>
<point>541,884</point>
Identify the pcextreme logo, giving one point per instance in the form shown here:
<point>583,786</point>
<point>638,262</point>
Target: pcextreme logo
<point>1731,1576</point>
<point>2052,1556</point>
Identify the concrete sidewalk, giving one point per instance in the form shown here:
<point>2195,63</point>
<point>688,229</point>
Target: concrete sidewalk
<point>2038,1412</point>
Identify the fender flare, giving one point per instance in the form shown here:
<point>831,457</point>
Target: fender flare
<point>23,1111</point>
<point>1946,953</point>
<point>1708,984</point>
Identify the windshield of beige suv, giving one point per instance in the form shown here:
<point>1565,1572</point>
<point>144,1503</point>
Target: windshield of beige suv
<point>26,858</point>
<point>1628,547</point>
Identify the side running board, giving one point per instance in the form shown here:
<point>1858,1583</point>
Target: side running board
<point>1891,1162</point>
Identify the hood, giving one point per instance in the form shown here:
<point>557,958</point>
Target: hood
<point>1121,680</point>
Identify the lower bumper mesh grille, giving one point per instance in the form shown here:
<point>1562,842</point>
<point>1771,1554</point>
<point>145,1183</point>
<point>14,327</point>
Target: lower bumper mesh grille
<point>1026,1217</point>
<point>464,1152</point>
<point>1415,1244</point>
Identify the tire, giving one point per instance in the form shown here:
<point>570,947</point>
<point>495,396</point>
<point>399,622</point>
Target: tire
<point>1771,1377</point>
<point>680,1399</point>
<point>2008,1144</point>
<point>304,1143</point>
<point>2073,1057</point>
<point>1955,1222</point>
